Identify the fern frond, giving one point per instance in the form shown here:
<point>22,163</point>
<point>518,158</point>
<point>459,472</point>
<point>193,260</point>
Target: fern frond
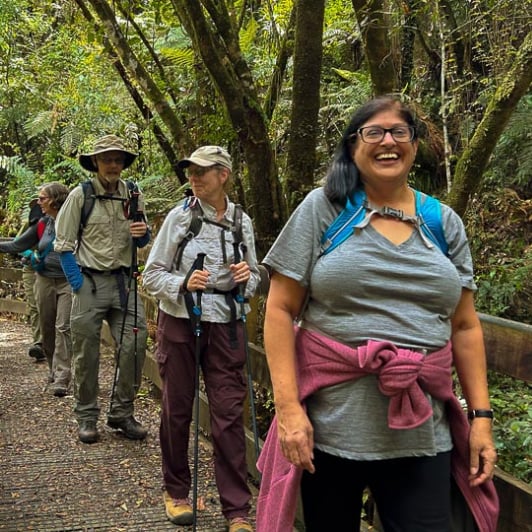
<point>179,57</point>
<point>40,123</point>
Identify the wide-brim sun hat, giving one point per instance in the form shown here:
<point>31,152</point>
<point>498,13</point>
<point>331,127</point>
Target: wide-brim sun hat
<point>208,156</point>
<point>103,145</point>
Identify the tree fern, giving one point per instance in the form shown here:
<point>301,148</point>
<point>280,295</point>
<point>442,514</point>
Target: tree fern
<point>179,57</point>
<point>22,183</point>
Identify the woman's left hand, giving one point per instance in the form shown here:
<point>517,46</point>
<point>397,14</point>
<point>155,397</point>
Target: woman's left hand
<point>483,456</point>
<point>241,272</point>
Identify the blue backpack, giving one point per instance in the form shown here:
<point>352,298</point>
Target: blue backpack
<point>428,211</point>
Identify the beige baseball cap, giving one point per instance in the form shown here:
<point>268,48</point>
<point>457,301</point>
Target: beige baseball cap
<point>208,156</point>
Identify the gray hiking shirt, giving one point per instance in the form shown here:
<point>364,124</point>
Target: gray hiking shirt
<point>30,239</point>
<point>369,288</point>
<point>163,280</point>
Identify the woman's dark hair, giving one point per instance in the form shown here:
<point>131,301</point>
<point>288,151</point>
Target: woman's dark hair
<point>57,192</point>
<point>343,178</point>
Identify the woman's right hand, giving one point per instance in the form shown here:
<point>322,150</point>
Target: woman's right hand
<point>197,281</point>
<point>296,436</point>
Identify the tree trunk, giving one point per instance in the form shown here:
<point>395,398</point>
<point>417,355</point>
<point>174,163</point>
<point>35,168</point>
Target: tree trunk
<point>474,159</point>
<point>164,142</point>
<point>216,42</point>
<point>136,70</point>
<point>408,35</point>
<point>304,123</point>
<point>287,49</point>
<point>375,28</point>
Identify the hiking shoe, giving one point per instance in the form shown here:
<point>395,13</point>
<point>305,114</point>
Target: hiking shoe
<point>178,511</point>
<point>239,524</point>
<point>129,427</point>
<point>87,431</point>
<point>58,389</point>
<point>36,352</point>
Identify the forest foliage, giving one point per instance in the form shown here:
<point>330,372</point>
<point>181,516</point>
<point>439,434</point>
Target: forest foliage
<point>276,85</point>
<point>275,81</point>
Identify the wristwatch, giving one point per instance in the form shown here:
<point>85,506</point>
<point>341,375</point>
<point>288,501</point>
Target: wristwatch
<point>472,414</point>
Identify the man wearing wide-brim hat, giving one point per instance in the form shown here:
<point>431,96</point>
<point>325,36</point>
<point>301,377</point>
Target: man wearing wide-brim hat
<point>111,145</point>
<point>99,260</point>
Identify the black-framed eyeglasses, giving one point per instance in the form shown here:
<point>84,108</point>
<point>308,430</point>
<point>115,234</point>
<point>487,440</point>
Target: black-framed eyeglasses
<point>375,134</point>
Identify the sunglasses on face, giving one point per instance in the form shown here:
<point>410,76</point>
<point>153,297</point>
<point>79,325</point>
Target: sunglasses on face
<point>111,160</point>
<point>200,171</point>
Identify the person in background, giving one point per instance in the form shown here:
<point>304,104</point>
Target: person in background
<point>98,264</point>
<point>28,280</point>
<point>51,289</point>
<point>363,384</point>
<point>172,277</point>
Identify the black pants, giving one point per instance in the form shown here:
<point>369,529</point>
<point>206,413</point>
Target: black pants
<point>412,494</point>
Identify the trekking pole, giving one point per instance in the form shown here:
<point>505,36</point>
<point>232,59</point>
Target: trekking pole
<point>135,215</point>
<point>195,316</point>
<point>239,253</point>
<point>118,354</point>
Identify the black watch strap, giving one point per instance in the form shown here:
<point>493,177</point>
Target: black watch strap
<point>472,414</point>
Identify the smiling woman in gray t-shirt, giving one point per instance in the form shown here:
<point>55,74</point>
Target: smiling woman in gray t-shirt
<point>369,288</point>
<point>385,283</point>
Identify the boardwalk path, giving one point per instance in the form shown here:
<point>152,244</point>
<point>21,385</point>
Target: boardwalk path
<point>49,481</point>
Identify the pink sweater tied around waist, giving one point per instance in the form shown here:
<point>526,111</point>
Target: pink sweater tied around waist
<point>403,376</point>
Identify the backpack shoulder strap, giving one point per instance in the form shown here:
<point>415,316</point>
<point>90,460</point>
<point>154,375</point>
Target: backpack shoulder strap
<point>429,211</point>
<point>88,205</point>
<point>194,227</point>
<point>343,225</point>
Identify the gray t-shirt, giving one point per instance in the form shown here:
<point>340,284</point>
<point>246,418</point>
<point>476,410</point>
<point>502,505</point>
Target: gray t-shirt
<point>369,288</point>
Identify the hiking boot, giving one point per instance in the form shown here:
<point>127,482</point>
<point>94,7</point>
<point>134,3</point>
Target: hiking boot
<point>87,431</point>
<point>239,524</point>
<point>178,511</point>
<point>129,427</point>
<point>36,352</point>
<point>58,389</point>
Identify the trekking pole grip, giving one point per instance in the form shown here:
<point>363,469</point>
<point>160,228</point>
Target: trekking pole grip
<point>198,265</point>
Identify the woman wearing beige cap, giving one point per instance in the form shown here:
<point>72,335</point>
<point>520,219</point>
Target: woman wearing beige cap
<point>208,268</point>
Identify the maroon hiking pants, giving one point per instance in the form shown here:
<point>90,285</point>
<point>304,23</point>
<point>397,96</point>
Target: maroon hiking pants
<point>225,383</point>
